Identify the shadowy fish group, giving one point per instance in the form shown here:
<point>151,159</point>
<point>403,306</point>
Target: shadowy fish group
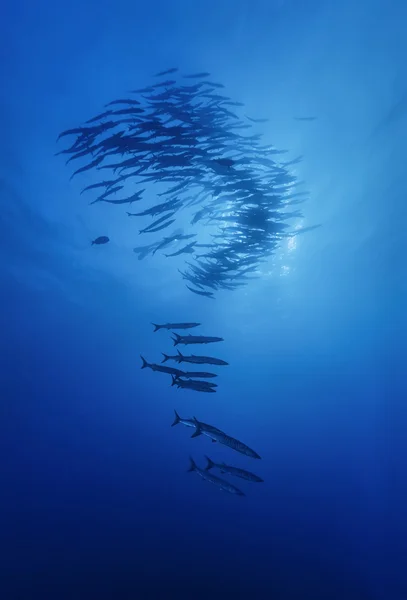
<point>186,135</point>
<point>187,380</point>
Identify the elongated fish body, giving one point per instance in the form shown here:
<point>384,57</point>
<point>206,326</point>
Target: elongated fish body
<point>194,339</point>
<point>196,386</point>
<point>175,326</point>
<point>164,226</point>
<point>201,293</point>
<point>235,471</point>
<point>198,360</point>
<point>166,72</point>
<point>161,368</point>
<point>198,375</point>
<point>220,483</point>
<point>222,438</point>
<point>194,383</point>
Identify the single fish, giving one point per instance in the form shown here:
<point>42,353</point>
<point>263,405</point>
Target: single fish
<point>236,471</point>
<point>166,224</point>
<point>207,294</point>
<point>257,120</point>
<point>103,239</point>
<point>195,360</point>
<point>161,369</point>
<point>222,438</point>
<point>225,486</point>
<point>196,386</point>
<point>167,72</point>
<point>175,326</point>
<point>194,339</point>
<point>198,375</point>
<point>196,75</point>
<point>154,226</point>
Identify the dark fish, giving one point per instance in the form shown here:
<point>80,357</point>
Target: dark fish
<point>153,226</point>
<point>161,369</point>
<point>194,383</point>
<point>175,326</point>
<point>196,75</point>
<point>257,120</point>
<point>103,239</point>
<point>94,163</point>
<point>198,375</point>
<point>225,486</point>
<point>167,72</point>
<point>123,101</point>
<point>100,184</point>
<point>196,386</point>
<point>129,111</point>
<point>236,471</point>
<point>222,438</point>
<point>195,339</point>
<point>101,116</point>
<point>196,360</point>
<point>164,226</point>
<point>207,294</point>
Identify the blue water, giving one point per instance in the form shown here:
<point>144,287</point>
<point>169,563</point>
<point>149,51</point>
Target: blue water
<point>95,498</point>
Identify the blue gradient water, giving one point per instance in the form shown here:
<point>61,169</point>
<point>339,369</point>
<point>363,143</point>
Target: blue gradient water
<point>95,500</point>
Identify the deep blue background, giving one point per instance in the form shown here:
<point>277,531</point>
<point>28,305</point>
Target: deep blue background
<point>95,501</point>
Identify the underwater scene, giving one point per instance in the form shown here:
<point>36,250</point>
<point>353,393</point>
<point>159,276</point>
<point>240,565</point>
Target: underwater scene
<point>203,293</point>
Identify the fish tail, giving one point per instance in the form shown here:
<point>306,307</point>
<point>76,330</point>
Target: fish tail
<point>210,464</point>
<point>145,363</point>
<point>174,381</point>
<point>192,465</point>
<point>177,419</point>
<point>175,340</point>
<point>157,327</point>
<point>166,357</point>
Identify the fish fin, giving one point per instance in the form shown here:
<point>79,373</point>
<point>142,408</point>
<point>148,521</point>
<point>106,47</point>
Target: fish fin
<point>145,363</point>
<point>192,466</point>
<point>210,464</point>
<point>213,441</point>
<point>198,430</point>
<point>157,327</point>
<point>177,419</point>
<point>166,357</point>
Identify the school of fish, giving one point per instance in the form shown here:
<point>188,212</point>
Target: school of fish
<point>182,140</point>
<point>196,381</point>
